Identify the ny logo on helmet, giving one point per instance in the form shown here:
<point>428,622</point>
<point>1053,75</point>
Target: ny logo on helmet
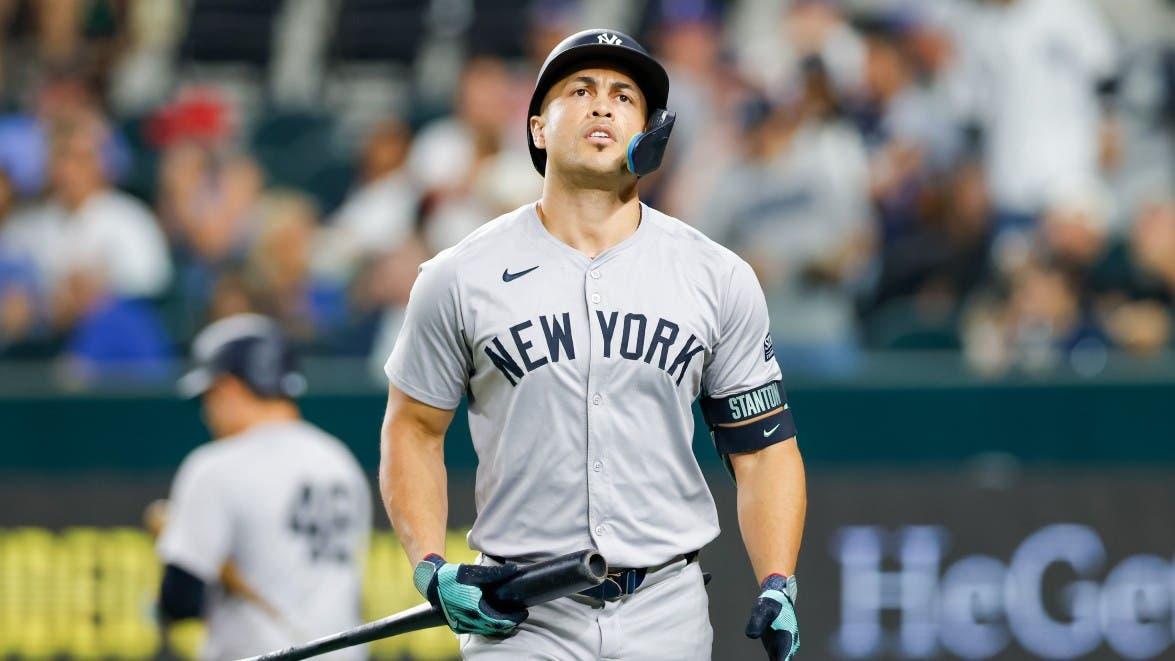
<point>609,39</point>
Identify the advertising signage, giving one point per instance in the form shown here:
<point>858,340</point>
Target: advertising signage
<point>896,565</point>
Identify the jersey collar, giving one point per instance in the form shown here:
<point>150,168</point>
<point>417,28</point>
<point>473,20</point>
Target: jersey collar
<point>537,230</point>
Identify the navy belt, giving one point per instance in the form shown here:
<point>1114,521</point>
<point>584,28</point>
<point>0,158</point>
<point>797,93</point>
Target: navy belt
<point>620,580</point>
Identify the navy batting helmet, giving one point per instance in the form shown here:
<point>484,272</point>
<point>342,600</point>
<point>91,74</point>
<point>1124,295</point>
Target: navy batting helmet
<point>250,347</point>
<point>646,149</point>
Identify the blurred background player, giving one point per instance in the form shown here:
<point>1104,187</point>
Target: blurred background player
<point>267,527</point>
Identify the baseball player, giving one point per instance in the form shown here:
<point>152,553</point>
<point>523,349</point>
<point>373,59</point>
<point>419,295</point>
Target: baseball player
<point>267,527</point>
<point>582,328</point>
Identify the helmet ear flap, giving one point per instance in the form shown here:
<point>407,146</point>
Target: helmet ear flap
<point>646,149</point>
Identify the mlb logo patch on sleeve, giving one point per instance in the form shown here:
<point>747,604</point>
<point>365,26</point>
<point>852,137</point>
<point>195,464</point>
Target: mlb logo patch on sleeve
<point>768,348</point>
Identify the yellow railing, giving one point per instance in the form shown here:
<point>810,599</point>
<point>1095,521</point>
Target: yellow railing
<point>89,593</point>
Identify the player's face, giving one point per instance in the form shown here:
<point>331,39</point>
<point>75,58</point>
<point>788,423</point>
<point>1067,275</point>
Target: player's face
<point>588,119</point>
<point>221,404</point>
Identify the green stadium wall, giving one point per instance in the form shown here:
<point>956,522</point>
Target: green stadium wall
<point>1039,424</point>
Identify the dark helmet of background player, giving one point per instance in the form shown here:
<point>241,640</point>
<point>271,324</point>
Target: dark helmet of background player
<point>597,45</point>
<point>250,347</point>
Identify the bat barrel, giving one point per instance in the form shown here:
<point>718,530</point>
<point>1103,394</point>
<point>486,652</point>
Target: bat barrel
<point>535,584</point>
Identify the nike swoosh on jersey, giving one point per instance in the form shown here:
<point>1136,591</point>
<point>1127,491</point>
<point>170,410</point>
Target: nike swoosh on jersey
<point>769,432</point>
<point>507,276</point>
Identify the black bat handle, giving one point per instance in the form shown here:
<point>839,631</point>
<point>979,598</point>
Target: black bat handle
<point>535,584</point>
<point>551,579</point>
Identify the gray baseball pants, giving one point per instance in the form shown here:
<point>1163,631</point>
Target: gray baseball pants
<point>667,619</point>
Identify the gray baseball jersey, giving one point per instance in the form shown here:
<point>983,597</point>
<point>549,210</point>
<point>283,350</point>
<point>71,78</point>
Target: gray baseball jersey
<point>290,506</point>
<point>581,374</point>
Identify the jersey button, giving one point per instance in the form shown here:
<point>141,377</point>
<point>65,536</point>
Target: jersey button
<point>595,273</point>
<point>597,399</point>
<point>599,530</point>
<point>597,466</point>
<point>595,298</point>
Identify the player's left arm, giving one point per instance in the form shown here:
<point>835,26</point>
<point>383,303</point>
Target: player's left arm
<point>772,503</point>
<point>751,422</point>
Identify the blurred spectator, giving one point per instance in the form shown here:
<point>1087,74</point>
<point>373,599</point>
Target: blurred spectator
<point>198,114</point>
<point>1153,241</point>
<point>380,214</point>
<point>277,269</point>
<point>904,174</point>
<point>1142,139</point>
<point>898,120</point>
<point>772,57</point>
<point>706,93</point>
<point>1140,311</point>
<point>928,35</point>
<point>100,255</point>
<point>799,212</point>
<point>1037,67</point>
<point>447,150</point>
<point>94,252</point>
<point>56,26</point>
<point>473,165</point>
<point>930,199</point>
<point>145,71</point>
<point>230,296</point>
<point>915,139</point>
<point>109,336</point>
<point>1041,324</point>
<point>208,203</point>
<point>206,190</point>
<point>502,182</point>
<point>93,228</point>
<point>925,275</point>
<point>1075,231</point>
<point>550,22</point>
<point>1141,327</point>
<point>383,290</point>
<point>64,93</point>
<point>20,286</point>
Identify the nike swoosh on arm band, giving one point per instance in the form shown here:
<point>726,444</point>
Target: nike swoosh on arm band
<point>749,420</point>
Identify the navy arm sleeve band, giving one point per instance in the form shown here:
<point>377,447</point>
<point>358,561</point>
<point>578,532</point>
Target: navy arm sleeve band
<point>182,595</point>
<point>750,420</point>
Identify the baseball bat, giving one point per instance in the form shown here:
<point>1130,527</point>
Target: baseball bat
<point>534,584</point>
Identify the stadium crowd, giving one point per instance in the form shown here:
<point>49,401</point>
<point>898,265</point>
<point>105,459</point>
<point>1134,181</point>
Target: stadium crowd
<point>988,176</point>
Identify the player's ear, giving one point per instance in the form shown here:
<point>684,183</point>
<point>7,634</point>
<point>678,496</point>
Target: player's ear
<point>537,127</point>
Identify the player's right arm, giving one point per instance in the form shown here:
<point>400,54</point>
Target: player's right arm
<point>428,373</point>
<point>412,481</point>
<point>427,376</point>
<point>195,535</point>
<point>412,477</point>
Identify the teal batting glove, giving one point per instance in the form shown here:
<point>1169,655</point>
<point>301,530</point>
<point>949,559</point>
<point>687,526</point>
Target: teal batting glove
<point>457,592</point>
<point>773,619</point>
